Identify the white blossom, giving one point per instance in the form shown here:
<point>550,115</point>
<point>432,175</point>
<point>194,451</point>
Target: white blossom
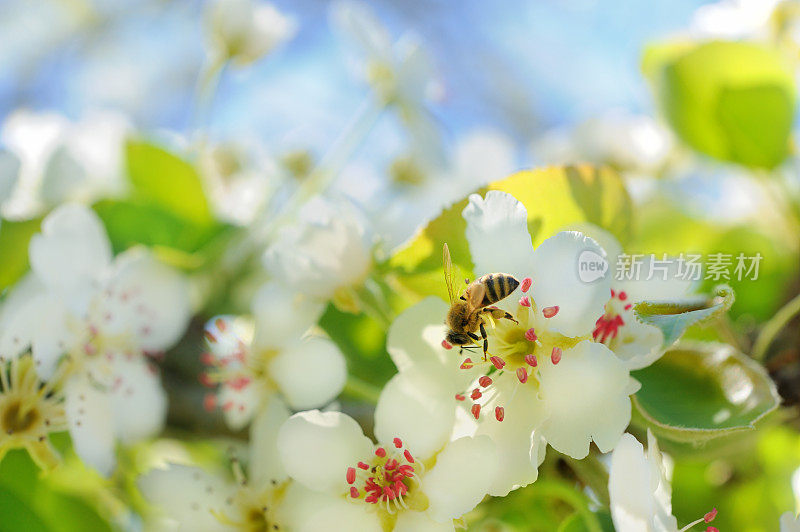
<point>104,314</point>
<point>246,30</point>
<point>62,160</point>
<point>635,143</point>
<point>189,498</point>
<point>326,254</point>
<point>414,478</point>
<point>646,278</point>
<point>271,359</point>
<point>640,490</point>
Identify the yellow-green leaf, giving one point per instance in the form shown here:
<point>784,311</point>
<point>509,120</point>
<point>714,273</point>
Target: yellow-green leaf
<point>167,181</point>
<point>555,198</point>
<point>732,100</point>
<point>14,239</point>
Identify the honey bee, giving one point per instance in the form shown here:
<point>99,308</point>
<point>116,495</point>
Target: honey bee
<point>466,314</point>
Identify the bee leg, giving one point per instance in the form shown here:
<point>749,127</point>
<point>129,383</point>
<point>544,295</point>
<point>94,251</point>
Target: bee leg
<point>485,340</point>
<point>498,314</point>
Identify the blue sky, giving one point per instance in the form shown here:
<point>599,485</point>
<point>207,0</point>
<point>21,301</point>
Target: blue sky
<point>520,66</point>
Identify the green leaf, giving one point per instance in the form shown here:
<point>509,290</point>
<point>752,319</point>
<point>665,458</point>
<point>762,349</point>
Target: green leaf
<point>29,502</point>
<point>14,239</point>
<point>700,391</point>
<point>129,223</point>
<point>555,198</point>
<point>673,318</point>
<point>161,179</point>
<point>362,340</point>
<point>732,100</point>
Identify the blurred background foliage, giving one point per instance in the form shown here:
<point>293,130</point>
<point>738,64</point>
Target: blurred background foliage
<point>691,111</point>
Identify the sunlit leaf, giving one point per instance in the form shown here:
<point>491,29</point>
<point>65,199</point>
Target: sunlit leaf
<point>163,179</point>
<point>732,100</point>
<point>673,318</point>
<point>130,222</point>
<point>555,198</point>
<point>700,391</point>
<point>14,239</point>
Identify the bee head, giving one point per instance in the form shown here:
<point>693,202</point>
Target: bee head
<point>456,338</point>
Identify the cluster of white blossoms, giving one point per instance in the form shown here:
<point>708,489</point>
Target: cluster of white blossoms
<point>81,333</point>
<point>451,428</point>
<point>559,372</point>
<point>87,323</point>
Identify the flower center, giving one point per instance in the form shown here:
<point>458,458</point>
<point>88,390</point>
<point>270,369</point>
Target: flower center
<point>516,348</point>
<point>15,418</point>
<point>252,506</point>
<point>230,362</point>
<point>29,410</point>
<point>607,326</point>
<point>387,478</point>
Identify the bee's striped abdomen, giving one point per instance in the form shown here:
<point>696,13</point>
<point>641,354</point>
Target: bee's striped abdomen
<point>498,286</point>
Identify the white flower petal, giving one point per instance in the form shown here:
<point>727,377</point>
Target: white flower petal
<point>35,319</point>
<point>146,299</point>
<point>461,477</point>
<point>409,521</point>
<point>240,404</point>
<point>497,232</point>
<point>317,448</point>
<point>329,249</point>
<point>604,239</point>
<point>52,334</point>
<point>790,522</point>
<point>586,398</point>
<point>91,423</point>
<point>415,341</point>
<point>637,344</point>
<point>283,315</point>
<point>414,408</point>
<point>138,402</point>
<point>265,463</point>
<point>633,481</point>
<point>187,496</point>
<point>518,444</point>
<point>304,510</point>
<point>9,173</point>
<point>71,252</point>
<point>357,21</point>
<point>310,372</point>
<point>556,282</point>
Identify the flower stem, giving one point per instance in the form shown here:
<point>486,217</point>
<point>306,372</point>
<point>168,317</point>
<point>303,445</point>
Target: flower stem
<point>359,389</point>
<point>774,326</point>
<point>207,84</point>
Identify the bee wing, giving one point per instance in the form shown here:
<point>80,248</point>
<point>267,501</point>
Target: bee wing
<point>475,296</point>
<point>449,278</point>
